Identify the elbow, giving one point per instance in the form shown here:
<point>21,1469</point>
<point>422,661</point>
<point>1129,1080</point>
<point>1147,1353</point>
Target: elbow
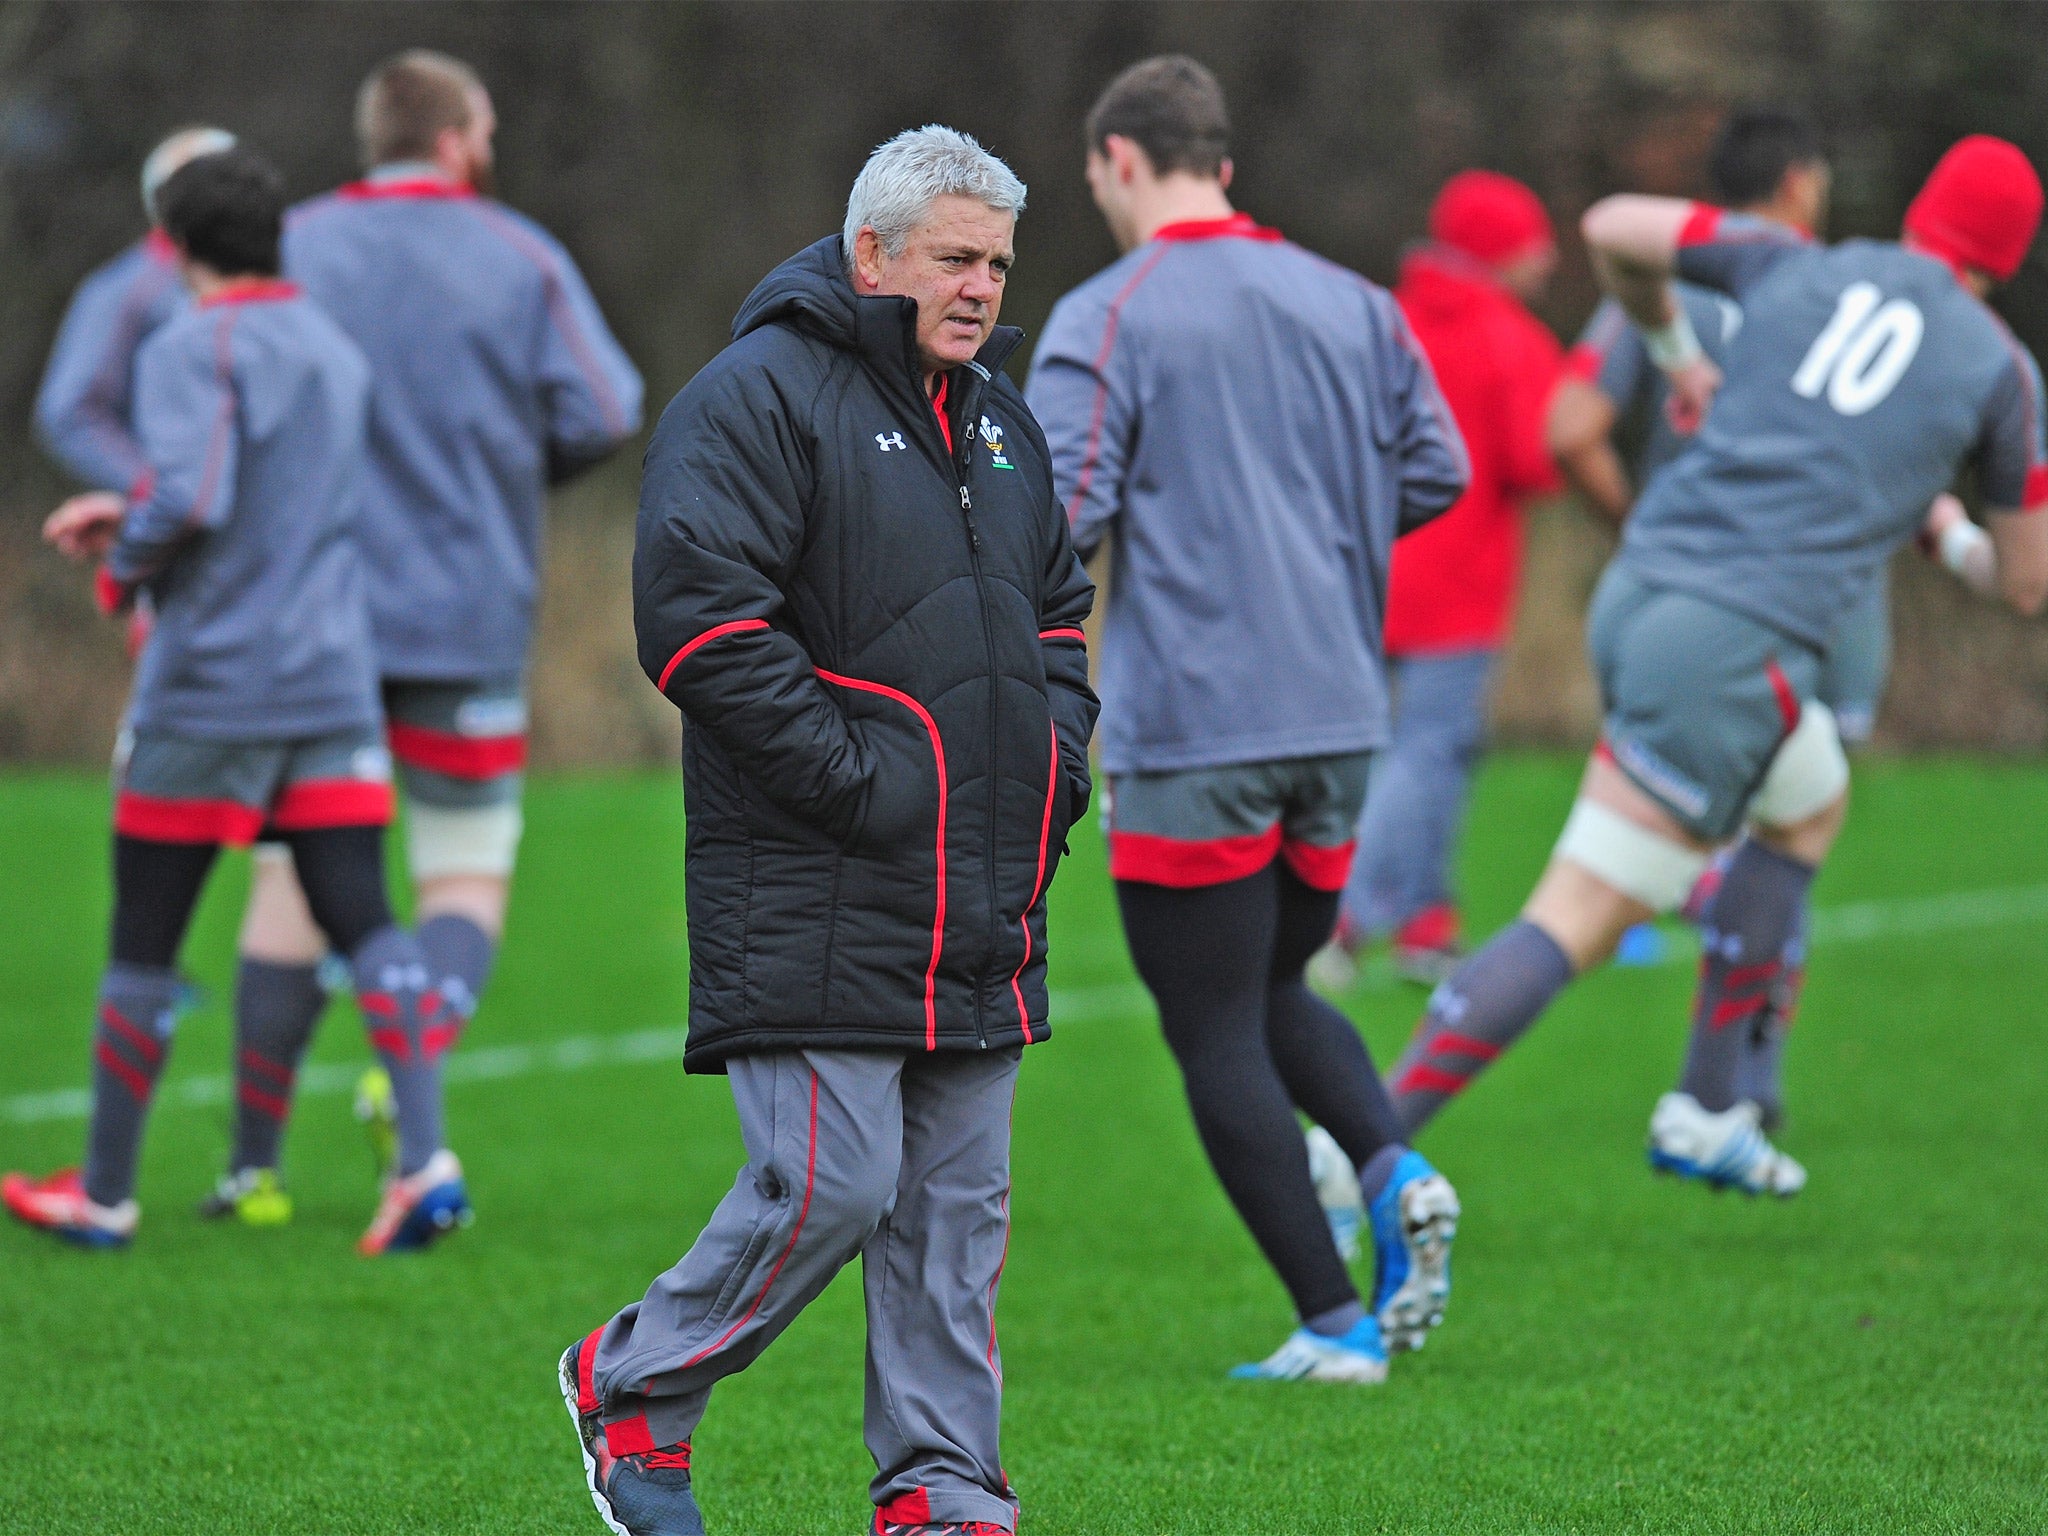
<point>1598,226</point>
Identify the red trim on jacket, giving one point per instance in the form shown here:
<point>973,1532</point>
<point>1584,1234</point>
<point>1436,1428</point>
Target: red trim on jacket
<point>1240,226</point>
<point>1183,863</point>
<point>810,1183</point>
<point>732,628</point>
<point>1063,634</point>
<point>460,757</point>
<point>251,290</point>
<point>586,1378</point>
<point>1700,226</point>
<point>1091,454</point>
<point>1317,867</point>
<point>939,409</point>
<point>312,804</point>
<point>163,819</point>
<point>931,726</point>
<point>416,186</point>
<point>1052,783</point>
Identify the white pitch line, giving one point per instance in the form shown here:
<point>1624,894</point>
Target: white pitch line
<point>1852,923</point>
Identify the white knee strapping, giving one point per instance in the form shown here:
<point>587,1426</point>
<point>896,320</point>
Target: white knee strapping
<point>479,840</point>
<point>1807,776</point>
<point>270,853</point>
<point>1634,860</point>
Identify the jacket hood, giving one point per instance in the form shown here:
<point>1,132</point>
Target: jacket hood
<point>811,292</point>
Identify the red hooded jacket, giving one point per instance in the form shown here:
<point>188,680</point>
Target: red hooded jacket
<point>1453,581</point>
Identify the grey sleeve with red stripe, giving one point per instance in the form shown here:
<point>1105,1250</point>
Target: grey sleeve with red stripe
<point>185,405</point>
<point>2011,457</point>
<point>1733,252</point>
<point>590,389</point>
<point>1085,402</point>
<point>721,514</point>
<point>1068,598</point>
<point>82,406</point>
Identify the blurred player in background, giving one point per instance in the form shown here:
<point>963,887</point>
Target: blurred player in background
<point>1865,375</point>
<point>1451,593</point>
<point>1765,162</point>
<point>256,700</point>
<point>493,376</point>
<point>1251,426</point>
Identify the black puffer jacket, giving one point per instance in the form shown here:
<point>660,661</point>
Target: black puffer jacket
<point>876,645</point>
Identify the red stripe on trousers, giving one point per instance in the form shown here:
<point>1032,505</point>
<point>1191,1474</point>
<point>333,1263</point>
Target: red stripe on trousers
<point>460,757</point>
<point>1183,863</point>
<point>1317,867</point>
<point>810,1182</point>
<point>931,726</point>
<point>162,819</point>
<point>312,804</point>
<point>586,1379</point>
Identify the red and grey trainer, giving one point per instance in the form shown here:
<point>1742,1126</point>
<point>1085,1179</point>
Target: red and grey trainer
<point>419,1208</point>
<point>643,1491</point>
<point>887,1527</point>
<point>60,1205</point>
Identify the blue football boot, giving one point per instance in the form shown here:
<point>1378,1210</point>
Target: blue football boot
<point>1413,1220</point>
<point>1356,1357</point>
<point>644,1492</point>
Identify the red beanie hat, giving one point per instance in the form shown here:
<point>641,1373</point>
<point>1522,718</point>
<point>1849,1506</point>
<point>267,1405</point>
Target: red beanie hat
<point>1489,216</point>
<point>1980,206</point>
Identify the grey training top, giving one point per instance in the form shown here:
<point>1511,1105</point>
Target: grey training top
<point>252,411</point>
<point>1611,356</point>
<point>1863,377</point>
<point>1255,425</point>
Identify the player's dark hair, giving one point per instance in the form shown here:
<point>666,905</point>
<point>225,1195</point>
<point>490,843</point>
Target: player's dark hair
<point>226,210</point>
<point>1754,149</point>
<point>407,102</point>
<point>1170,107</point>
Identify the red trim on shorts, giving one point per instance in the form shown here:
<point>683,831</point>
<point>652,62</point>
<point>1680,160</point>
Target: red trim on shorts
<point>1183,863</point>
<point>163,819</point>
<point>810,1183</point>
<point>460,757</point>
<point>912,1508</point>
<point>629,1437</point>
<point>931,726</point>
<point>1701,226</point>
<point>706,638</point>
<point>1317,867</point>
<point>1781,689</point>
<point>311,804</point>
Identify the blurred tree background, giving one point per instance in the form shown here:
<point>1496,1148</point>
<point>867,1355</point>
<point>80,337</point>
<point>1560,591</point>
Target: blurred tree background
<point>681,150</point>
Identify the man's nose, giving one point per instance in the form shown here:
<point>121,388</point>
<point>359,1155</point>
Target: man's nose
<point>982,285</point>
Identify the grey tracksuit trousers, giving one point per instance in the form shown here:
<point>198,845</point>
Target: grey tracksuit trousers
<point>902,1159</point>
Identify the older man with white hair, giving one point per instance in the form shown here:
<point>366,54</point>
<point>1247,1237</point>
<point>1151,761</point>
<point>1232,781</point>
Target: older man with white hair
<point>854,580</point>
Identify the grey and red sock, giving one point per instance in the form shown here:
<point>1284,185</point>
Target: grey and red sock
<point>277,1008</point>
<point>1484,1006</point>
<point>1743,947</point>
<point>410,1029</point>
<point>138,1011</point>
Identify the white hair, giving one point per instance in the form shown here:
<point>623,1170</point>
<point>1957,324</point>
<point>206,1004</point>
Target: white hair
<point>895,190</point>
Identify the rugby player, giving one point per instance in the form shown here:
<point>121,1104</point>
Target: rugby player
<point>1865,375</point>
<point>1766,162</point>
<point>1251,425</point>
<point>255,703</point>
<point>1451,591</point>
<point>493,376</point>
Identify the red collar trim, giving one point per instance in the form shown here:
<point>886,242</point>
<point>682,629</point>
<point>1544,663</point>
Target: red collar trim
<point>254,290</point>
<point>422,186</point>
<point>1240,226</point>
<point>161,247</point>
<point>939,406</point>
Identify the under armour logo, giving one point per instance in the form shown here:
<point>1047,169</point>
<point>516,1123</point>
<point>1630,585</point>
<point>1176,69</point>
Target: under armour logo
<point>888,440</point>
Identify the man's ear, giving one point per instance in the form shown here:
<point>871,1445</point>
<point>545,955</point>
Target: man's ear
<point>1224,172</point>
<point>867,259</point>
<point>1126,158</point>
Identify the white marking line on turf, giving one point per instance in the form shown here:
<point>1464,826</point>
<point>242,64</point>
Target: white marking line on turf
<point>1854,922</point>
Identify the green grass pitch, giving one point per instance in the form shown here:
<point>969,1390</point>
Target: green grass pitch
<point>1622,1354</point>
